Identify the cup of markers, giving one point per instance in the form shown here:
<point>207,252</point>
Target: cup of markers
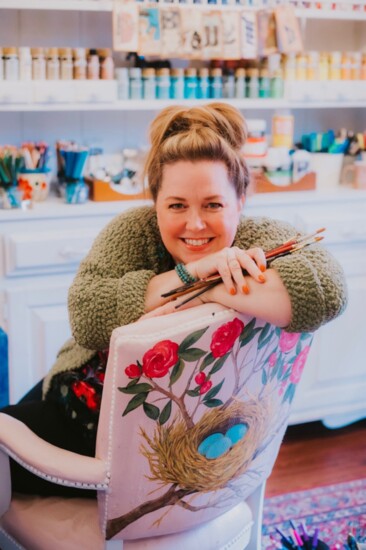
<point>71,160</point>
<point>34,177</point>
<point>299,539</point>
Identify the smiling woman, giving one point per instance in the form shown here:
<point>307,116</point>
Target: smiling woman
<point>198,177</point>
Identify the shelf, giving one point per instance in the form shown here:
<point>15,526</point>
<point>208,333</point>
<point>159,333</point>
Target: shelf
<point>64,5</point>
<point>157,105</point>
<point>331,15</point>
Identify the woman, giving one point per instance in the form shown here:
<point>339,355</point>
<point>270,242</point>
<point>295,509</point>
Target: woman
<point>198,178</point>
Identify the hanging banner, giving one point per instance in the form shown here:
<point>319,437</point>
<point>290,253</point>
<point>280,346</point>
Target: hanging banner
<point>170,29</point>
<point>125,26</point>
<point>191,33</point>
<point>288,30</point>
<point>212,35</point>
<point>249,34</point>
<point>267,34</point>
<point>231,35</point>
<point>149,31</point>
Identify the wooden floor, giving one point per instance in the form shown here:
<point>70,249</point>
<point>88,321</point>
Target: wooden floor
<point>312,455</point>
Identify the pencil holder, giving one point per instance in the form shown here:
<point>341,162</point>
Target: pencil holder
<point>34,184</point>
<point>76,192</point>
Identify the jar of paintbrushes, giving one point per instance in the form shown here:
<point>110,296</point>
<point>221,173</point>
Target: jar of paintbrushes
<point>34,176</point>
<point>71,159</point>
<point>11,162</point>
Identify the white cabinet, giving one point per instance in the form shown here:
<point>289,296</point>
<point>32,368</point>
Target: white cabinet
<point>38,258</point>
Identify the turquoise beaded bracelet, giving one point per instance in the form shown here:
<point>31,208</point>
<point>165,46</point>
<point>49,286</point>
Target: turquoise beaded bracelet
<point>184,274</point>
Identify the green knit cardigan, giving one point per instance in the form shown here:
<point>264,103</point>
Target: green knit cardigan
<point>110,285</point>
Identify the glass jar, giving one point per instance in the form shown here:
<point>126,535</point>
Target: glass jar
<point>25,63</point>
<point>252,83</point>
<point>264,83</point>
<point>121,74</point>
<point>240,83</point>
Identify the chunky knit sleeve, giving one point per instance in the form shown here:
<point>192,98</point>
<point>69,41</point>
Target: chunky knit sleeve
<point>313,278</point>
<point>110,286</point>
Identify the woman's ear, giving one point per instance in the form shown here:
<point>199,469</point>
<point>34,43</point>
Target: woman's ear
<point>242,199</point>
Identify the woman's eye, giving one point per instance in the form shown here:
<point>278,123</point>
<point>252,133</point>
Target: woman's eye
<point>176,206</point>
<point>214,205</point>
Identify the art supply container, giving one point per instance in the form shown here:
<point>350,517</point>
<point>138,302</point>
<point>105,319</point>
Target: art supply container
<point>25,64</point>
<point>34,184</point>
<point>252,83</point>
<point>240,83</point>
<point>163,83</point>
<point>11,64</point>
<point>66,64</point>
<point>79,64</point>
<point>53,64</point>
<point>93,65</point>
<point>216,83</point>
<point>355,174</point>
<point>177,84</point>
<point>190,83</point>
<point>148,83</point>
<point>203,83</point>
<point>77,192</point>
<point>135,83</point>
<point>282,129</point>
<point>10,197</point>
<point>228,84</point>
<point>38,64</point>
<point>106,64</point>
<point>122,83</point>
<point>265,83</point>
<point>256,143</point>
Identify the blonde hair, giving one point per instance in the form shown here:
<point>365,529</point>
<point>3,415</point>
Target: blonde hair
<point>216,132</point>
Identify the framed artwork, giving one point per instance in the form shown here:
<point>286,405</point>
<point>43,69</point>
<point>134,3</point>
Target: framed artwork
<point>288,30</point>
<point>125,26</point>
<point>170,29</point>
<point>149,31</point>
<point>249,35</point>
<point>212,35</point>
<point>191,33</point>
<point>231,35</point>
<point>267,33</point>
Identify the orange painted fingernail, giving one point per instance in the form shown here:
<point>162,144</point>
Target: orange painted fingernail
<point>261,278</point>
<point>245,289</point>
<point>262,268</point>
<point>232,291</point>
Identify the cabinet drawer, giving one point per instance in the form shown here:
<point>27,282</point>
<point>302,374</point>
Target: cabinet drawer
<point>47,252</point>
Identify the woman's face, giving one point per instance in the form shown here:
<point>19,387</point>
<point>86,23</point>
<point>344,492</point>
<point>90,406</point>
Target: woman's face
<point>197,209</point>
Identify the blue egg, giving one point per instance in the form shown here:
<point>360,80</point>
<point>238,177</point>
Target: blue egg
<point>237,432</point>
<point>208,441</point>
<point>219,448</point>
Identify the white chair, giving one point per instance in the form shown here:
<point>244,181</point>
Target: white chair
<point>183,451</point>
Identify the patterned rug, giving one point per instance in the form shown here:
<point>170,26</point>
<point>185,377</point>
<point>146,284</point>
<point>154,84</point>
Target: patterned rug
<point>335,510</point>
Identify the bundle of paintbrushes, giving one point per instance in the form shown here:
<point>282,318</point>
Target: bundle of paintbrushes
<point>35,155</point>
<point>299,539</point>
<point>197,288</point>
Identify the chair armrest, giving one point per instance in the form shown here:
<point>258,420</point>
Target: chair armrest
<point>48,461</point>
<point>5,483</point>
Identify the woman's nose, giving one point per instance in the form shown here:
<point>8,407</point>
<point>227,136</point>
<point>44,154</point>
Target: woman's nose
<point>195,221</point>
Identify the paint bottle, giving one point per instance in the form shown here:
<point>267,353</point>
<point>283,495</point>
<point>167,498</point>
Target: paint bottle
<point>66,64</point>
<point>228,84</point>
<point>1,65</point>
<point>282,129</point>
<point>264,83</point>
<point>301,66</point>
<point>11,64</point>
<point>148,83</point>
<point>256,143</point>
<point>252,83</point>
<point>355,65</point>
<point>79,63</point>
<point>122,83</point>
<point>177,84</point>
<point>93,66</point>
<point>190,83</point>
<point>277,87</point>
<point>163,83</point>
<point>203,83</point>
<point>335,66</point>
<point>106,64</point>
<point>312,66</point>
<point>52,64</point>
<point>135,83</point>
<point>240,83</point>
<point>25,64</point>
<point>289,66</point>
<point>323,71</point>
<point>38,64</point>
<point>345,66</point>
<point>216,83</point>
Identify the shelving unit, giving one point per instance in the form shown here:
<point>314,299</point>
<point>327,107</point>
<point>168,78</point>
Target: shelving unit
<point>40,249</point>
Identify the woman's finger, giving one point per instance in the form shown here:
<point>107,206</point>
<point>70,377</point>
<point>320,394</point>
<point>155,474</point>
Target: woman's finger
<point>254,262</point>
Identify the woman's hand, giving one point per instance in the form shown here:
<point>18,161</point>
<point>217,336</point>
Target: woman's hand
<point>230,263</point>
<point>171,307</point>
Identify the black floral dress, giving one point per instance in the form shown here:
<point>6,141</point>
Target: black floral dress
<point>79,392</point>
